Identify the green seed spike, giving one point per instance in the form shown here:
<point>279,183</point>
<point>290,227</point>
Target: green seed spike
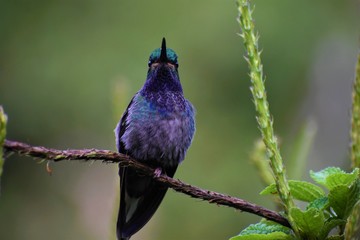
<point>262,106</point>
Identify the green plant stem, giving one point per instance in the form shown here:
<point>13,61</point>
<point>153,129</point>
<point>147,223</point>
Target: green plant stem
<point>301,148</point>
<point>259,158</point>
<point>262,106</point>
<point>352,230</point>
<point>3,120</point>
<point>355,119</point>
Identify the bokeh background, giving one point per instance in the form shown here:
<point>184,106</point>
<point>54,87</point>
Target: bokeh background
<point>69,68</point>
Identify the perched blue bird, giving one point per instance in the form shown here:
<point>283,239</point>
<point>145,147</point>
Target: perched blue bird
<point>156,129</point>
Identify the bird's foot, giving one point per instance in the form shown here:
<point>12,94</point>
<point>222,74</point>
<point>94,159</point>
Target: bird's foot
<point>158,172</point>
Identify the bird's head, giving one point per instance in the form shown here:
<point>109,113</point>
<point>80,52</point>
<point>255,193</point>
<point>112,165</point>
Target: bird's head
<point>163,57</point>
<point>163,70</point>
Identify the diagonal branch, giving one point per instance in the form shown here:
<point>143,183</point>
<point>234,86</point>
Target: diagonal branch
<point>124,160</point>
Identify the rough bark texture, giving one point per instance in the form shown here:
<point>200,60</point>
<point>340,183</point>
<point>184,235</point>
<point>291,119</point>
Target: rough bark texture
<point>113,157</point>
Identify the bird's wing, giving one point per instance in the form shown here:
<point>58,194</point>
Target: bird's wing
<point>121,128</point>
<point>140,196</point>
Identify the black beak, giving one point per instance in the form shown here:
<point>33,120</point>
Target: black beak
<point>163,55</point>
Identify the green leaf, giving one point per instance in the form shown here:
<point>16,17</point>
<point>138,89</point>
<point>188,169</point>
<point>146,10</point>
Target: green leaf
<point>320,177</point>
<point>342,178</point>
<point>320,203</point>
<point>264,230</point>
<point>329,225</point>
<point>265,227</point>
<point>271,189</point>
<point>270,236</point>
<point>309,222</point>
<point>300,190</point>
<point>343,198</point>
<point>305,191</point>
<point>332,176</point>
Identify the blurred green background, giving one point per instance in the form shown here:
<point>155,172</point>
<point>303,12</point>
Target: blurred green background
<point>69,68</point>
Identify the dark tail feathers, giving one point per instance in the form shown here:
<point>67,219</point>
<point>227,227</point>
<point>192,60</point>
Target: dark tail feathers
<point>140,196</point>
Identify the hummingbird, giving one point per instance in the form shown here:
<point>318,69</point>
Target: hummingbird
<point>156,129</point>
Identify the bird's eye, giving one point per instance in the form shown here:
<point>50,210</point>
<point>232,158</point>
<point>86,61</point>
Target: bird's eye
<point>149,63</point>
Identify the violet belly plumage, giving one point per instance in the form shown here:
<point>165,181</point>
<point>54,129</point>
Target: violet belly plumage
<point>157,128</point>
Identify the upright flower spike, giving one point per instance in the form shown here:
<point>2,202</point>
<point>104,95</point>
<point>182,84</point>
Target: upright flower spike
<point>352,228</point>
<point>355,119</point>
<point>3,120</point>
<point>263,117</point>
